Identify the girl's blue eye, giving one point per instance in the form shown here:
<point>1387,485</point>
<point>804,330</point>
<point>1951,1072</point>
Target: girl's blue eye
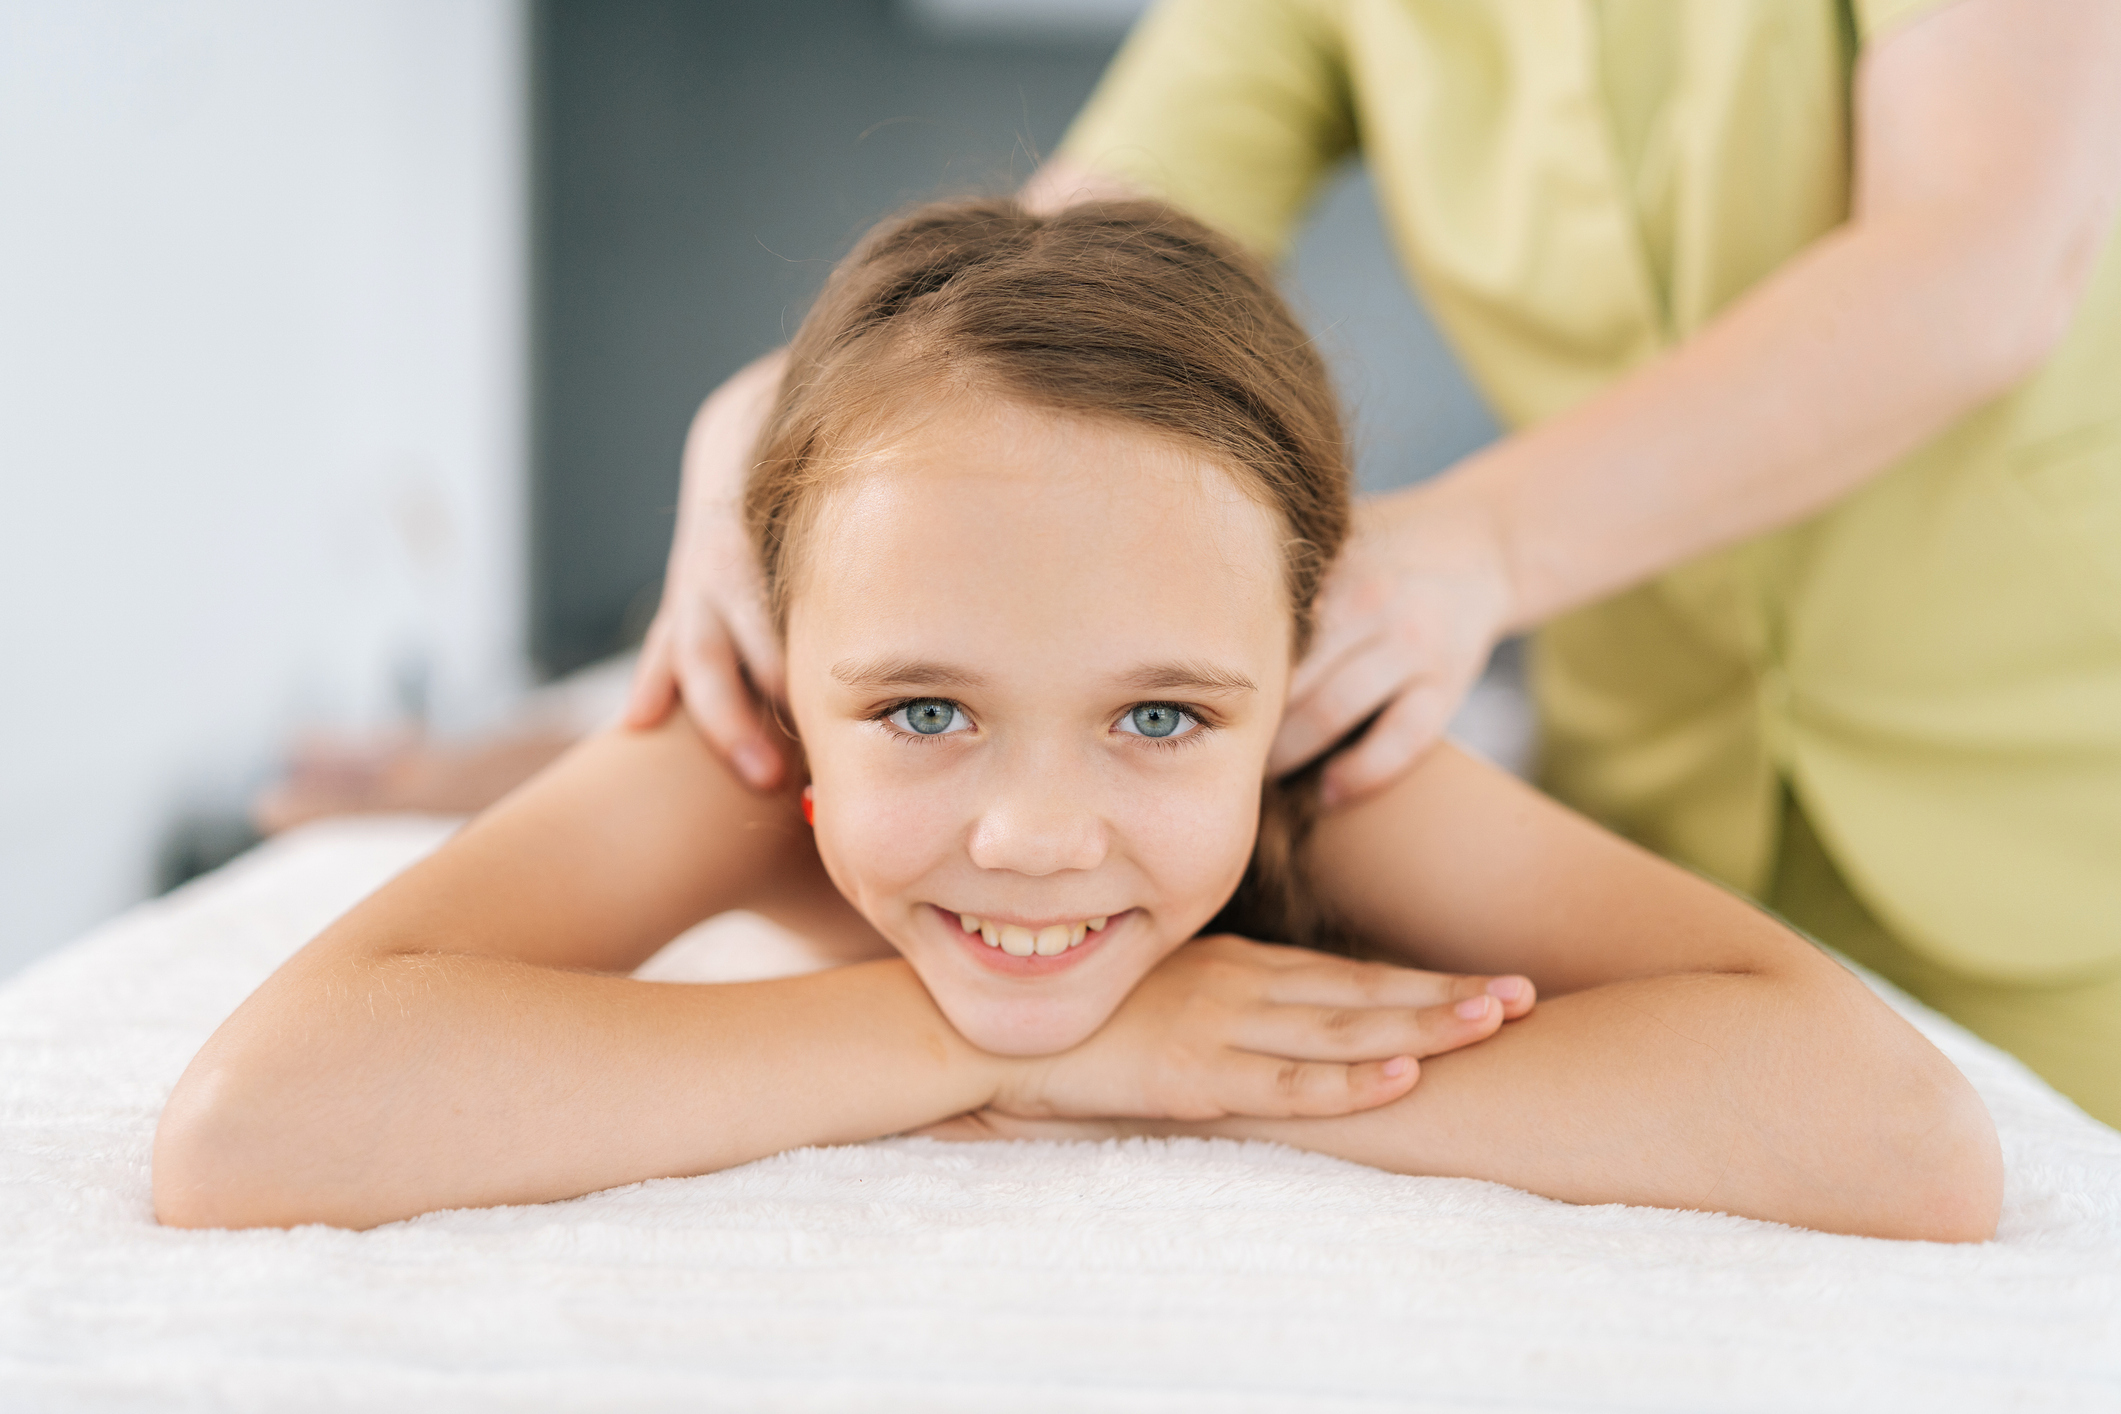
<point>1157,719</point>
<point>931,716</point>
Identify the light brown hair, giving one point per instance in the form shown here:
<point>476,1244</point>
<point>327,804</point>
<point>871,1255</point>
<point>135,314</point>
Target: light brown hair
<point>1121,311</point>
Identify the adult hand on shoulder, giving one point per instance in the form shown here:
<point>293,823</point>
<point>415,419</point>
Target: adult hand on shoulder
<point>1229,1027</point>
<point>1405,623</point>
<point>711,632</point>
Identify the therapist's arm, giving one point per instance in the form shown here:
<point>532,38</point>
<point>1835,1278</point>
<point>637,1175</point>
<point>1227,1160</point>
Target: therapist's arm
<point>1988,163</point>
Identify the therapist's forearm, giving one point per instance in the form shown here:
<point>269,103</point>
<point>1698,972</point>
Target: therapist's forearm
<point>1764,1095</point>
<point>1985,186</point>
<point>1867,345</point>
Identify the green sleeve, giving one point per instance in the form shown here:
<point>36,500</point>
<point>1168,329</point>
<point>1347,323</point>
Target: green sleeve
<point>1232,109</point>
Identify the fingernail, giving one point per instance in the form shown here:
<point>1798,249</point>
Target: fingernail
<point>1398,1066</point>
<point>1507,989</point>
<point>1472,1008</point>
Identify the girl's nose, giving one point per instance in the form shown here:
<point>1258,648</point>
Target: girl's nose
<point>1039,825</point>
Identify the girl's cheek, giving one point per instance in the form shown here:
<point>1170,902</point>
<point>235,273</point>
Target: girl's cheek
<point>879,838</point>
<point>1194,843</point>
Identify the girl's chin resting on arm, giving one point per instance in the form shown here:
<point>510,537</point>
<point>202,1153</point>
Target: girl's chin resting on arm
<point>1913,1155</point>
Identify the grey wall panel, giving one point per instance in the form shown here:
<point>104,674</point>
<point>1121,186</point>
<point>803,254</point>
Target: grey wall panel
<point>699,166</point>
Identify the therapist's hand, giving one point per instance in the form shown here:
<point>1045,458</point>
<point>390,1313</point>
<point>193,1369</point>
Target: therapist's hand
<point>711,632</point>
<point>1405,623</point>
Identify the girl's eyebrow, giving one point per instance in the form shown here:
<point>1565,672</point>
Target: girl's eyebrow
<point>1203,678</point>
<point>1206,679</point>
<point>904,672</point>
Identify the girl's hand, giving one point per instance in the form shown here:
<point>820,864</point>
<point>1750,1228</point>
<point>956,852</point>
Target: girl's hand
<point>1406,620</point>
<point>1229,1027</point>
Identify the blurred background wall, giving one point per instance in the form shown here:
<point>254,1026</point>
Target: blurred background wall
<point>700,167</point>
<point>347,348</point>
<point>262,312</point>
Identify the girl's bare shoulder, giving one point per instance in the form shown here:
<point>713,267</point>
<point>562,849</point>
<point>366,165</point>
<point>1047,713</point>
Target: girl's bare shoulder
<point>1463,867</point>
<point>622,843</point>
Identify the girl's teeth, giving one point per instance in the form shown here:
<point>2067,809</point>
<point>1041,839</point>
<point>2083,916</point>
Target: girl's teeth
<point>1050,941</point>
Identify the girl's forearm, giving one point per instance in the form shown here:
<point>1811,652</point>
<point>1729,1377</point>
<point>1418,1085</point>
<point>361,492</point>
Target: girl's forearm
<point>1791,1098</point>
<point>360,1094</point>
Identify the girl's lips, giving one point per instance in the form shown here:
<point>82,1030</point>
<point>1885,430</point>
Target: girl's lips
<point>1008,965</point>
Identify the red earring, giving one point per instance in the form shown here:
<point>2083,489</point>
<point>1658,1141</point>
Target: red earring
<point>809,808</point>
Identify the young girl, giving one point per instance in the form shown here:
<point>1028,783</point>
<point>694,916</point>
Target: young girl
<point>1043,506</point>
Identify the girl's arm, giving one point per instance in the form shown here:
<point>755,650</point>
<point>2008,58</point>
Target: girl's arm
<point>459,1038</point>
<point>1687,1052</point>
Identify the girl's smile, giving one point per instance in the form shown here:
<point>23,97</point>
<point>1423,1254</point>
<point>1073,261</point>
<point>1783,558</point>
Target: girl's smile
<point>1036,689</point>
<point>1031,949</point>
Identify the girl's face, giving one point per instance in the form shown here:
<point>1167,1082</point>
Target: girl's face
<point>1036,663</point>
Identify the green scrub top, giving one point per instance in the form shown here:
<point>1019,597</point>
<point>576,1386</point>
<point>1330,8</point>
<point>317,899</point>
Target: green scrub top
<point>1931,668</point>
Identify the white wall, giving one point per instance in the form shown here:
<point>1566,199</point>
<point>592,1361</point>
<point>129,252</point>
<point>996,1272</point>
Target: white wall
<point>261,405</point>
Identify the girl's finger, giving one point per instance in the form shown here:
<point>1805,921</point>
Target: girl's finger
<point>1369,1033</point>
<point>1269,1087</point>
<point>1315,979</point>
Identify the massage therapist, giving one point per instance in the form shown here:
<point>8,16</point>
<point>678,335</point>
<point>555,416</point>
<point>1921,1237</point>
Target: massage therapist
<point>1805,318</point>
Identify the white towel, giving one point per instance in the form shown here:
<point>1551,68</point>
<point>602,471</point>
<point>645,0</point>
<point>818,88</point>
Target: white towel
<point>908,1274</point>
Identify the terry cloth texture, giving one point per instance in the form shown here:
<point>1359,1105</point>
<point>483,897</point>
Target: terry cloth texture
<point>1179,1275</point>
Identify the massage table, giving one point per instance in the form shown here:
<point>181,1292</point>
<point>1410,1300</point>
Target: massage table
<point>911,1274</point>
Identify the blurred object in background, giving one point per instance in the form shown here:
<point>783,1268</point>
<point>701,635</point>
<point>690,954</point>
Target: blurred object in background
<point>261,333</point>
<point>401,773</point>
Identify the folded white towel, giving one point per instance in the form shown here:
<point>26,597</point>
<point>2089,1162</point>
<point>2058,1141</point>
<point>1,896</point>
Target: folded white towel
<point>908,1274</point>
